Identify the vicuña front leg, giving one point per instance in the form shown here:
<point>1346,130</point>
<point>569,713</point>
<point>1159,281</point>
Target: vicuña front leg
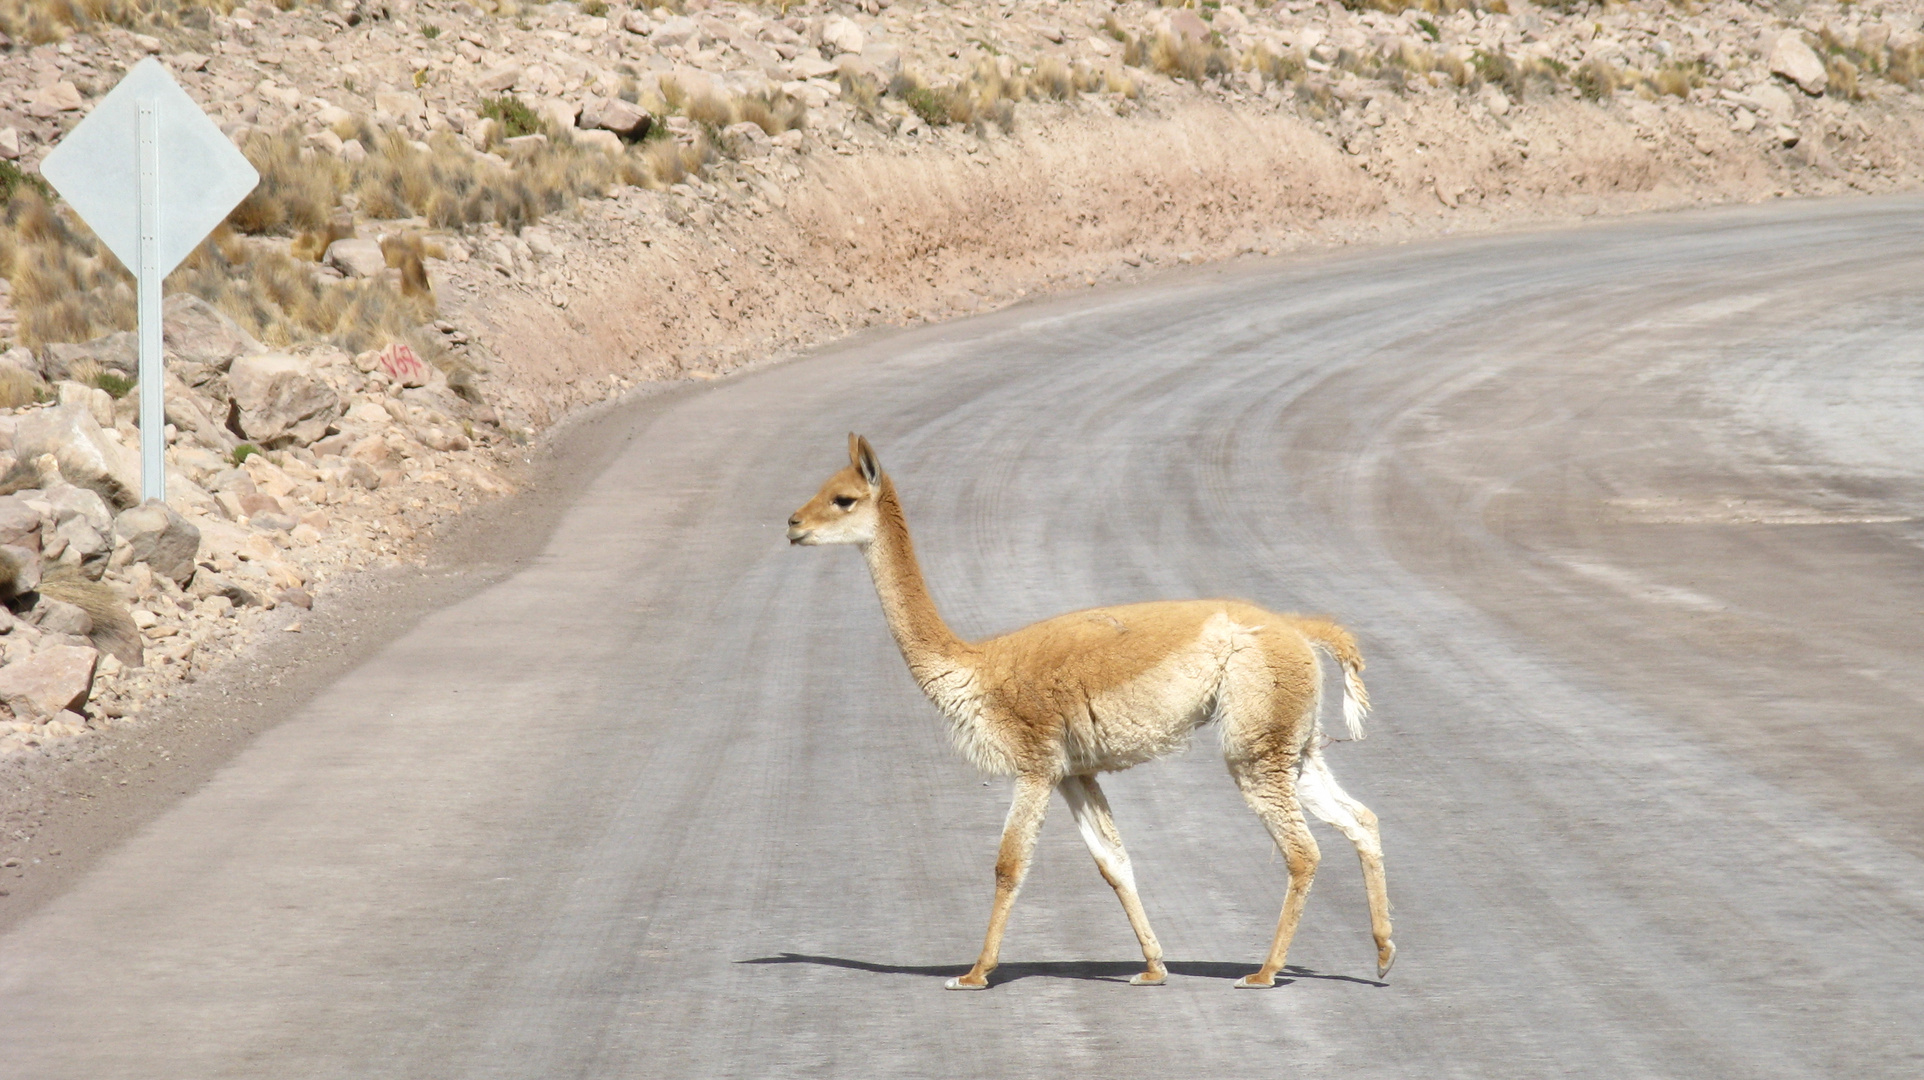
<point>1098,830</point>
<point>1011,866</point>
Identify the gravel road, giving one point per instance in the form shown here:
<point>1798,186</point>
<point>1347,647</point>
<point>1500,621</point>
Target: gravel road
<point>1628,521</point>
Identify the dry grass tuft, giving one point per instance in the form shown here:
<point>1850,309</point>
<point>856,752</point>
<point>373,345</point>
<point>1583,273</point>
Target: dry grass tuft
<point>1596,79</point>
<point>66,285</point>
<point>299,186</point>
<point>20,388</point>
<point>1190,60</point>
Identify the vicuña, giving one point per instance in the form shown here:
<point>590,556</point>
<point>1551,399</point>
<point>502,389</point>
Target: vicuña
<point>1096,691</point>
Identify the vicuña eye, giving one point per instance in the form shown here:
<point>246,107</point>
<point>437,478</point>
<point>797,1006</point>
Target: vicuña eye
<point>843,501</point>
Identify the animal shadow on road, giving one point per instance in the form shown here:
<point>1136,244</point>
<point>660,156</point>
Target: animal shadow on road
<point>1085,970</point>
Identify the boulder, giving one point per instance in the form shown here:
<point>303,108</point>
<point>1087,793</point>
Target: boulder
<point>558,113</point>
<point>613,114</point>
<point>275,396</point>
<point>191,413</point>
<point>117,352</point>
<point>196,332</point>
<point>1188,26</point>
<point>636,21</point>
<point>841,35</point>
<point>208,583</point>
<point>400,104</point>
<point>85,455</point>
<point>19,523</point>
<point>55,678</point>
<point>676,30</point>
<point>398,362</point>
<point>9,143</point>
<point>60,617</point>
<point>1795,61</point>
<point>498,80</point>
<point>157,535</point>
<point>744,140</point>
<point>70,502</point>
<point>605,141</point>
<point>55,99</point>
<point>19,570</point>
<point>356,258</point>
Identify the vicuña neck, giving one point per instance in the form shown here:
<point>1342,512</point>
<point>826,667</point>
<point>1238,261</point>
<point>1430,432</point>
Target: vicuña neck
<point>927,643</point>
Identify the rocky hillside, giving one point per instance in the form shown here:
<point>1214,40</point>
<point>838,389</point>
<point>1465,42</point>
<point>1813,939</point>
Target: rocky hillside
<point>475,219</point>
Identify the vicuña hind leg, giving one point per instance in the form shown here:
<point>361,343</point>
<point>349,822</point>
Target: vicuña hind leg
<point>1269,789</point>
<point>1098,830</point>
<point>1321,796</point>
<point>1011,866</point>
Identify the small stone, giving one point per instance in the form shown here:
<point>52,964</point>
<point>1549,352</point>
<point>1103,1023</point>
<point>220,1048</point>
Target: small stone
<point>1795,61</point>
<point>56,678</point>
<point>353,152</point>
<point>147,43</point>
<point>296,596</point>
<point>744,140</point>
<point>291,628</point>
<point>9,143</point>
<point>272,521</point>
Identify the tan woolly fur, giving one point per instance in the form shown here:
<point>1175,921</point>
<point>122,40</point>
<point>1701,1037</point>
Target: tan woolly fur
<point>1055,703</point>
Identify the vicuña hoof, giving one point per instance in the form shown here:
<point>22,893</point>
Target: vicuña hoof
<point>1385,956</point>
<point>1258,981</point>
<point>1149,978</point>
<point>963,982</point>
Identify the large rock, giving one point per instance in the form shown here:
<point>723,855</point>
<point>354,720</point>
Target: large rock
<point>676,30</point>
<point>497,80</point>
<point>50,680</point>
<point>117,352</point>
<point>197,332</point>
<point>61,617</point>
<point>1795,61</point>
<point>356,258</point>
<point>613,114</point>
<point>84,453</point>
<point>161,538</point>
<point>841,35</point>
<point>191,413</point>
<point>19,571</point>
<point>19,523</point>
<point>280,398</point>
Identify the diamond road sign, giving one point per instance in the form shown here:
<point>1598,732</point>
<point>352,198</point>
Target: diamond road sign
<point>97,167</point>
<point>152,176</point>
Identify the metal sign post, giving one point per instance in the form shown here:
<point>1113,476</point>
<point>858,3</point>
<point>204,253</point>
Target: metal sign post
<point>152,176</point>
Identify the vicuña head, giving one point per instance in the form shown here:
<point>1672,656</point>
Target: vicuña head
<point>844,511</point>
<point>1056,703</point>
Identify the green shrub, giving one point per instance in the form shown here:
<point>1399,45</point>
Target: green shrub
<point>514,117</point>
<point>114,383</point>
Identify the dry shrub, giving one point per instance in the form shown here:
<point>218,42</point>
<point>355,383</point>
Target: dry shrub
<point>40,22</point>
<point>19,387</point>
<point>1596,79</point>
<point>299,186</point>
<point>710,110</point>
<point>66,285</point>
<point>1052,78</point>
<point>1190,60</point>
<point>283,301</point>
<point>773,115</point>
<point>1843,78</point>
<point>1456,69</point>
<point>1675,81</point>
<point>1275,67</point>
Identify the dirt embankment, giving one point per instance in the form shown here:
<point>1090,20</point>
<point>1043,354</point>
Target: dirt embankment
<point>777,254</point>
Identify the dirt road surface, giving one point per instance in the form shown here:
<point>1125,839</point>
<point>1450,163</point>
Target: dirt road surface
<point>1627,518</point>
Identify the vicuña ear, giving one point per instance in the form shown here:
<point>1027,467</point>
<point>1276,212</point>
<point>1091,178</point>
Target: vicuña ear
<point>862,456</point>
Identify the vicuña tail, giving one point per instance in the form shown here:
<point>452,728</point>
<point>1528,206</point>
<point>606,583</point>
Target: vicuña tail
<point>1328,637</point>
